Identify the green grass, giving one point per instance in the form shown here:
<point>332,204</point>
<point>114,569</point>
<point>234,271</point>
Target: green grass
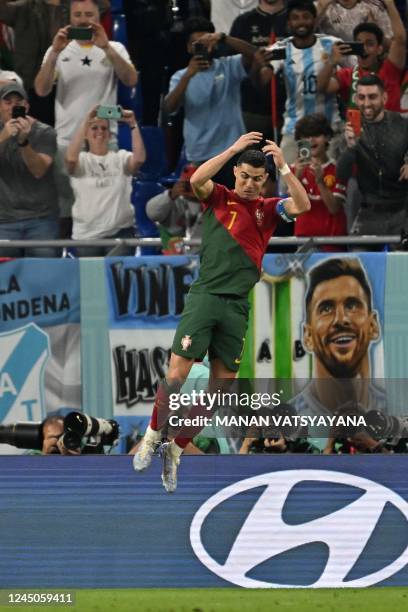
<point>385,599</point>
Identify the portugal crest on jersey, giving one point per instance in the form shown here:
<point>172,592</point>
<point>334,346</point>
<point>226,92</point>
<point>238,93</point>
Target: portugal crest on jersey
<point>259,215</point>
<point>186,342</point>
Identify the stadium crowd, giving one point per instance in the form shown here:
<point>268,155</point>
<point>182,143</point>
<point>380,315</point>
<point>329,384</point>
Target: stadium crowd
<point>326,80</point>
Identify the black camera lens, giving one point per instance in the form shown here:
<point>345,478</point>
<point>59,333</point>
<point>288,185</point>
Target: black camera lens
<point>71,440</point>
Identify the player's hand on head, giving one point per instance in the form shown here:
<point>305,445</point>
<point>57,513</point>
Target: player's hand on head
<point>246,140</point>
<point>271,148</point>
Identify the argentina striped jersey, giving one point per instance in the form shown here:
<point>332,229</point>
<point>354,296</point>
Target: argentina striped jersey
<point>300,68</point>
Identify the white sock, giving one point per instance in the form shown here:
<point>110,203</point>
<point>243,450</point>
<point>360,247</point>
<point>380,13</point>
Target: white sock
<point>152,434</point>
<point>177,449</point>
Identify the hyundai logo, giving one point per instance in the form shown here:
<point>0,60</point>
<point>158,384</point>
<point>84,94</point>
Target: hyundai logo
<point>265,526</point>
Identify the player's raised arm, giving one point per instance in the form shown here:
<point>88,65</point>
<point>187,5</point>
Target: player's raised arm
<point>298,203</point>
<point>201,182</point>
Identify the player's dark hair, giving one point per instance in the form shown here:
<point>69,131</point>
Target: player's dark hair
<point>371,79</point>
<point>333,268</point>
<point>371,28</point>
<point>315,124</point>
<point>197,24</point>
<point>252,157</point>
<point>301,5</point>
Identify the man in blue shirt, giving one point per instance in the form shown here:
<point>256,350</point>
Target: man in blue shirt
<point>209,90</point>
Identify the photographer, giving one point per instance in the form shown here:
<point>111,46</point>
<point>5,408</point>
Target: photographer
<point>75,434</point>
<point>52,435</point>
<point>102,181</point>
<point>28,194</point>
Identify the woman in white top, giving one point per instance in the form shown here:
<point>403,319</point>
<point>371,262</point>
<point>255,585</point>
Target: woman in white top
<point>102,182</point>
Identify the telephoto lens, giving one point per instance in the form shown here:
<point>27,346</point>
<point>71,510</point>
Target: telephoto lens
<point>22,435</point>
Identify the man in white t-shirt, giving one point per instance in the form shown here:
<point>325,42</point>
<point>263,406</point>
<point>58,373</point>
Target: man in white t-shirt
<point>86,72</point>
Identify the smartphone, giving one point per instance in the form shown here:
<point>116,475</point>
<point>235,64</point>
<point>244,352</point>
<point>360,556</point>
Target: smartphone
<point>356,48</point>
<point>80,33</point>
<point>109,112</point>
<point>201,50</point>
<point>18,111</point>
<point>276,54</point>
<point>304,150</point>
<point>354,117</point>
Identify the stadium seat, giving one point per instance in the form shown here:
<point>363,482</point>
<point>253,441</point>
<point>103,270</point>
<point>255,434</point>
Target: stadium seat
<point>156,165</point>
<point>120,29</point>
<point>124,136</point>
<point>131,99</point>
<point>116,6</point>
<point>128,97</point>
<point>141,193</point>
<point>171,178</point>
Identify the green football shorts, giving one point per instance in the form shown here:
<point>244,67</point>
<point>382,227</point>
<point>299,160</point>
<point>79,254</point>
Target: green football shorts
<point>217,323</point>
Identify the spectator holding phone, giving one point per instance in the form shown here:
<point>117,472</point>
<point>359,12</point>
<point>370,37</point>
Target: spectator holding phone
<point>102,181</point>
<point>317,173</point>
<point>28,195</point>
<point>86,67</point>
<point>390,70</point>
<point>209,91</point>
<point>379,161</point>
<point>300,63</point>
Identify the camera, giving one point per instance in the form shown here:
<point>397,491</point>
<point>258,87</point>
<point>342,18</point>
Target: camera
<point>22,435</point>
<point>380,425</point>
<point>201,51</point>
<point>304,150</point>
<point>80,430</point>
